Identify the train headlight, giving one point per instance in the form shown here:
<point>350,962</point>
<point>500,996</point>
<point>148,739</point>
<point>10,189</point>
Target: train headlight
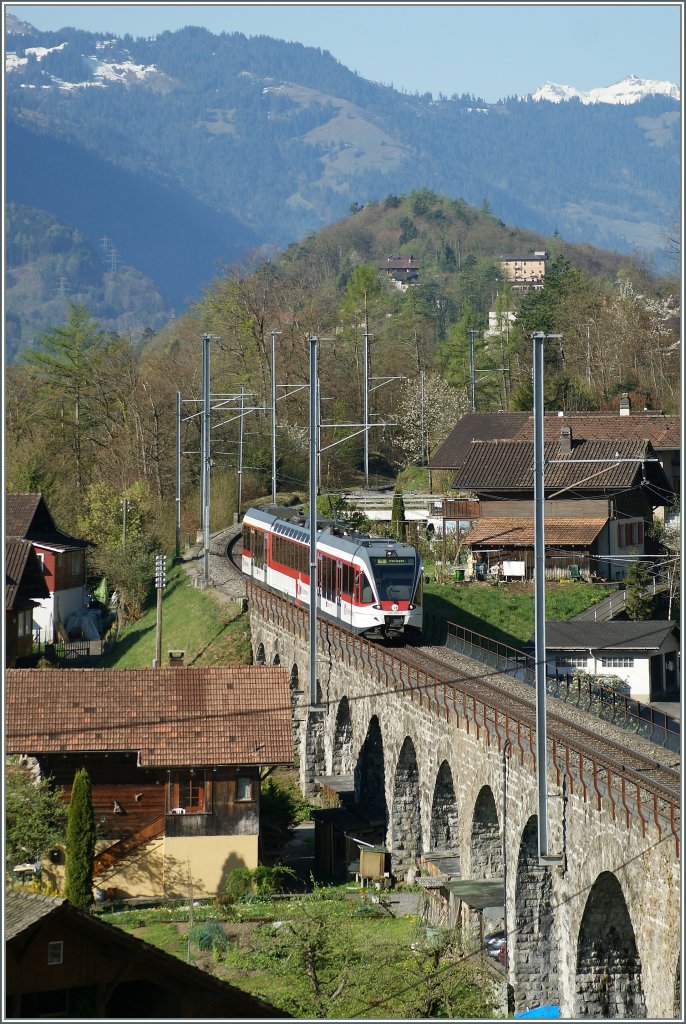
<point>377,606</point>
<point>412,606</point>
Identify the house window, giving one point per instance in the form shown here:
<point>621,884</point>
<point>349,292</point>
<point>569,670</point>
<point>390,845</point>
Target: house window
<point>564,662</point>
<point>244,788</point>
<point>76,563</point>
<point>55,952</point>
<point>617,661</point>
<point>24,622</point>
<point>190,792</point>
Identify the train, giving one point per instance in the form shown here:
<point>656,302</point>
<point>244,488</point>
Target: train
<point>371,586</point>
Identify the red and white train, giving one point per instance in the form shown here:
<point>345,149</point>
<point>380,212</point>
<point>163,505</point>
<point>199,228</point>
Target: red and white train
<point>369,585</point>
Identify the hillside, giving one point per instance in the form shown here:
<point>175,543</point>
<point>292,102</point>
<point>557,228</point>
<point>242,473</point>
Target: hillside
<point>255,142</point>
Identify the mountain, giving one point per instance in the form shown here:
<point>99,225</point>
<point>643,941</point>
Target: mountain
<point>629,90</point>
<point>188,150</point>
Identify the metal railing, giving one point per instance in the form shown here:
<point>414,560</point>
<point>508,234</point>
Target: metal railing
<point>588,695</point>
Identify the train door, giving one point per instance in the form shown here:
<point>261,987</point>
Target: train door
<point>346,577</point>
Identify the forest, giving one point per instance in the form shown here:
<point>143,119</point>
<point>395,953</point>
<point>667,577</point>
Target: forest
<point>91,416</point>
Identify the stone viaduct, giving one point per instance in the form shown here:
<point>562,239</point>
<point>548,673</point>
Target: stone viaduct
<point>599,934</point>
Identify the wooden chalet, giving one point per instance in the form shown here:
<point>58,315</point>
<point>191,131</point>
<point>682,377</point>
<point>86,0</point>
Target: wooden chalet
<point>603,485</point>
<point>63,558</point>
<point>65,962</point>
<point>175,757</point>
<point>25,587</point>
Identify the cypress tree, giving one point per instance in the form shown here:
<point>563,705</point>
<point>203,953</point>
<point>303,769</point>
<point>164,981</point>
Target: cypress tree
<point>80,843</point>
<point>398,515</point>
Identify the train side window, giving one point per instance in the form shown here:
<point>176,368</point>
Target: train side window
<point>246,539</point>
<point>366,593</point>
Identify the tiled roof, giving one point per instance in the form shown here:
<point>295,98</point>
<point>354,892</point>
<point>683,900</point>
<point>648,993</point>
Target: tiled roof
<point>171,716</point>
<point>23,911</point>
<point>27,517</point>
<point>475,426</point>
<point>494,466</point>
<point>22,573</point>
<point>519,532</point>
<point>573,635</point>
<point>663,431</point>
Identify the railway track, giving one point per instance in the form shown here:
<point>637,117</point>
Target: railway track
<point>497,703</point>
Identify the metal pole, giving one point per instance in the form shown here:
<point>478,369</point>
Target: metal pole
<point>318,432</point>
<point>539,597</point>
<point>313,520</point>
<point>177,549</point>
<point>471,369</point>
<point>202,434</point>
<point>124,510</point>
<point>206,455</point>
<point>240,460</point>
<point>365,403</point>
<point>273,334</point>
<point>421,411</point>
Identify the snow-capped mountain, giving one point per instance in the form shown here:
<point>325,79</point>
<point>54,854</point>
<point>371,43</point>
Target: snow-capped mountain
<point>629,90</point>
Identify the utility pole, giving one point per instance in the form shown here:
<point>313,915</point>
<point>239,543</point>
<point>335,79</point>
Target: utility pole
<point>313,520</point>
<point>472,371</point>
<point>544,855</point>
<point>160,584</point>
<point>177,548</point>
<point>273,334</point>
<point>206,455</point>
<point>366,394</point>
<point>124,511</point>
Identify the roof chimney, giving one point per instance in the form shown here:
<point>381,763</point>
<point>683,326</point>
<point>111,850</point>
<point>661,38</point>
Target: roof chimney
<point>625,405</point>
<point>565,439</point>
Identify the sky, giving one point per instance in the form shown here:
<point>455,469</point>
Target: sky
<point>488,50</point>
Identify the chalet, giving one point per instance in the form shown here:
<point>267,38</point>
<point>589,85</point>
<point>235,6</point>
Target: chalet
<point>64,962</point>
<point>643,654</point>
<point>27,518</point>
<point>25,587</point>
<point>175,757</point>
<point>524,271</point>
<point>600,497</point>
<point>401,270</point>
<point>598,516</point>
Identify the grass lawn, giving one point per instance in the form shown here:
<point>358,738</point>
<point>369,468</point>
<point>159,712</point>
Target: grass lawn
<point>354,946</point>
<point>210,631</point>
<point>505,611</point>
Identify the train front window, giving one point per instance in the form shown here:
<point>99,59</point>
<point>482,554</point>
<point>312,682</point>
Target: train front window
<point>394,577</point>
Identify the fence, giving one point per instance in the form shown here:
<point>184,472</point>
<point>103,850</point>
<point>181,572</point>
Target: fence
<point>588,695</point>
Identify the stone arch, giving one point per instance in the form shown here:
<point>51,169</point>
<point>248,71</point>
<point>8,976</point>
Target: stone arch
<point>486,841</point>
<point>260,656</point>
<point>406,822</point>
<point>276,660</point>
<point>608,966</point>
<point>535,954</point>
<point>443,834</point>
<point>342,758</point>
<point>370,777</point>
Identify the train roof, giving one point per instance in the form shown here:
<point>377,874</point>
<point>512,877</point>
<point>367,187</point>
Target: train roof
<point>297,527</point>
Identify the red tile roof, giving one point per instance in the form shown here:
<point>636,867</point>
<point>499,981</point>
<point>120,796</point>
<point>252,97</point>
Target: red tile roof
<point>172,717</point>
<point>519,532</point>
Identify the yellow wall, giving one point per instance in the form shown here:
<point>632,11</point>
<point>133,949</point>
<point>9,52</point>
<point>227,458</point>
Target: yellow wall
<point>210,858</point>
<point>140,874</point>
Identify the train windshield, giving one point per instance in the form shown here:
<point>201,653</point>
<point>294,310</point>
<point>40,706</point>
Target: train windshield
<point>395,577</point>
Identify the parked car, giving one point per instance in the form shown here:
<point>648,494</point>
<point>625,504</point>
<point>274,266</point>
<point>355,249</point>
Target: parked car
<point>495,944</point>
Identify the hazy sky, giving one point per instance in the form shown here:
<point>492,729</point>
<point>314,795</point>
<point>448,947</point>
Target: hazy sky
<point>490,50</point>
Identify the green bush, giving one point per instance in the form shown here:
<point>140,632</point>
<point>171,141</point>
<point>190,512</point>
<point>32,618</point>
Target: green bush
<point>245,883</point>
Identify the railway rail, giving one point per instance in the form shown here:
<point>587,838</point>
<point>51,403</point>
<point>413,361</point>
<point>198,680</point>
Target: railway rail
<point>594,757</point>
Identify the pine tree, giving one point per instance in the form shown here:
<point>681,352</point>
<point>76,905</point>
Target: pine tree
<point>80,843</point>
<point>639,603</point>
